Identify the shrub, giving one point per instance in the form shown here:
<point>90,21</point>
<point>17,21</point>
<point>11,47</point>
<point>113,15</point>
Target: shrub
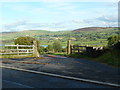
<point>57,46</point>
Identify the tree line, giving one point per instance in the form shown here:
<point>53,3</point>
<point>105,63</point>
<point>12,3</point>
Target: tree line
<point>55,47</point>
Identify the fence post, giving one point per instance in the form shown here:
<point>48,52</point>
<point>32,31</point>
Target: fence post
<point>78,50</point>
<point>35,49</point>
<point>17,50</point>
<point>69,47</point>
<point>27,52</point>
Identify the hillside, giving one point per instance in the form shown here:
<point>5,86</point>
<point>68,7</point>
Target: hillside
<point>12,35</point>
<point>94,29</point>
<point>89,36</point>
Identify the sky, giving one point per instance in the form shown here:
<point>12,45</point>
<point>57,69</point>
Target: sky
<point>57,16</point>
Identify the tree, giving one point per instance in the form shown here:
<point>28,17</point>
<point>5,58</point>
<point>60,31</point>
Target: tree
<point>113,40</point>
<point>57,46</point>
<point>24,41</point>
<point>50,48</point>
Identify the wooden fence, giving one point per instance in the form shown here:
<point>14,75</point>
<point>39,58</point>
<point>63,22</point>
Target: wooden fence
<point>17,50</point>
<point>77,49</point>
<point>20,49</point>
<point>71,49</point>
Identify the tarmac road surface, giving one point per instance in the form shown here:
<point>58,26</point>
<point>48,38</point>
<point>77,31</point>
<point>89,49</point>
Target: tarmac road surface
<point>80,68</point>
<point>19,79</point>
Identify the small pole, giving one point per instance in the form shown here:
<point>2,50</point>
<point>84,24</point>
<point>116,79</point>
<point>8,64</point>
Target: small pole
<point>53,50</point>
<point>78,50</point>
<point>69,47</point>
<point>27,52</point>
<point>17,50</point>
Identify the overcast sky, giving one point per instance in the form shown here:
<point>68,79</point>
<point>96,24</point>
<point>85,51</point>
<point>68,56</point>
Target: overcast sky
<point>57,16</point>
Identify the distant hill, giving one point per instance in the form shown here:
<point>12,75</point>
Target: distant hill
<point>26,31</point>
<point>76,30</point>
<point>94,29</point>
<point>89,35</point>
<point>7,32</point>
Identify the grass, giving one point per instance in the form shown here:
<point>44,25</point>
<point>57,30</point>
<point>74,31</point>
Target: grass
<point>111,57</point>
<point>20,56</point>
<point>15,56</point>
<point>60,54</point>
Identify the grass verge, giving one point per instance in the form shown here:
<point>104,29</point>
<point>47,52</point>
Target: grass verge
<point>111,57</point>
<point>15,56</point>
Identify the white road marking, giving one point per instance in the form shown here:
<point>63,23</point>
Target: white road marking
<point>19,84</point>
<point>65,77</point>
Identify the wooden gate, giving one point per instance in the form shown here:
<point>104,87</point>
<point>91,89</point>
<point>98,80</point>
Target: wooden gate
<point>19,49</point>
<point>77,49</point>
<point>8,49</point>
<point>71,49</point>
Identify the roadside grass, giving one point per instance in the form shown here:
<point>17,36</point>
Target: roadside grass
<point>61,54</point>
<point>21,56</point>
<point>15,56</point>
<point>111,57</point>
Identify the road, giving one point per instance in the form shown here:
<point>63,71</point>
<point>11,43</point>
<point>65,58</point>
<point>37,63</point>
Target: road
<point>20,79</point>
<point>73,67</point>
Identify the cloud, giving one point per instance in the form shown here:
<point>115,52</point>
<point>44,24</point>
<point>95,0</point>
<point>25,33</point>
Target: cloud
<point>20,7</point>
<point>19,26</point>
<point>79,0</point>
<point>99,23</point>
<point>61,5</point>
<point>103,21</point>
<point>66,16</point>
<point>108,18</point>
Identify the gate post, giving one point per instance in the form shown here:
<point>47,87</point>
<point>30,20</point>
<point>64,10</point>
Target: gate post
<point>69,47</point>
<point>17,50</point>
<point>35,49</point>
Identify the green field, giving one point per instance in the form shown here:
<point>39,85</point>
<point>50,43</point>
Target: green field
<point>91,37</point>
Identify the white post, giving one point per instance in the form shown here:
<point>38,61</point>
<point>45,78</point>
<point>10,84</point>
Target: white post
<point>27,52</point>
<point>17,50</point>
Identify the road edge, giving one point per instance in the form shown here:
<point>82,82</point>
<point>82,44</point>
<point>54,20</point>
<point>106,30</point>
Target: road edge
<point>65,77</point>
